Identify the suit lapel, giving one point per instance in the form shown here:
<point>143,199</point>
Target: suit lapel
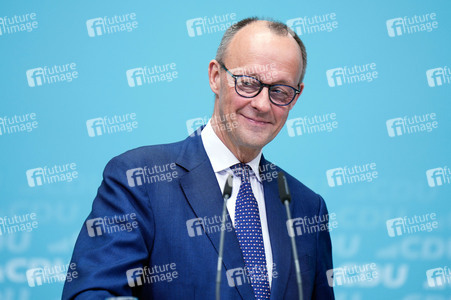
<point>204,196</point>
<point>278,234</point>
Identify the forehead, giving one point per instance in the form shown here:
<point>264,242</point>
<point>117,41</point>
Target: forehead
<point>256,44</point>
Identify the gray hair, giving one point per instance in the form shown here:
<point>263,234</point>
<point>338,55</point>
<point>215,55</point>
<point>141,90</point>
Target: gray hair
<point>276,27</point>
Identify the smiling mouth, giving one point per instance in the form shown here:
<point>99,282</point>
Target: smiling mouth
<point>256,122</point>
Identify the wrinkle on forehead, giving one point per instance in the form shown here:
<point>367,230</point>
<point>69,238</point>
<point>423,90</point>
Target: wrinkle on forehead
<point>256,44</point>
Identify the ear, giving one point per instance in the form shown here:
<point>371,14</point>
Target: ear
<point>301,88</point>
<point>213,76</point>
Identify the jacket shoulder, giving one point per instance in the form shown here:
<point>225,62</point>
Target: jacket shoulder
<point>145,155</point>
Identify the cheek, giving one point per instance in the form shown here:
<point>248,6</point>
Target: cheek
<point>280,114</point>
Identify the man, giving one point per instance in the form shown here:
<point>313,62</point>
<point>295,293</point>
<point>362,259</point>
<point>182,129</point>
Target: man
<point>170,196</point>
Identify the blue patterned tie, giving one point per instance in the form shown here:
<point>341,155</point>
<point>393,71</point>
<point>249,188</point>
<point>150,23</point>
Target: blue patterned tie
<point>249,232</point>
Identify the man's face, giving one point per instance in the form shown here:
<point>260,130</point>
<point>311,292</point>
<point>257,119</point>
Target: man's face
<point>254,51</point>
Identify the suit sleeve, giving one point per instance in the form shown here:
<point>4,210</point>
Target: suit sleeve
<point>119,239</point>
<point>322,290</point>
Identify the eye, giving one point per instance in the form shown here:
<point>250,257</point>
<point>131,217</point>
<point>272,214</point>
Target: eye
<point>279,90</point>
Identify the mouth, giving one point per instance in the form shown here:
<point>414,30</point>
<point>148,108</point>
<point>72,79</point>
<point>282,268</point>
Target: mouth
<point>256,121</point>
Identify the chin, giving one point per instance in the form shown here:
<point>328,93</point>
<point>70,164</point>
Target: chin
<point>253,140</point>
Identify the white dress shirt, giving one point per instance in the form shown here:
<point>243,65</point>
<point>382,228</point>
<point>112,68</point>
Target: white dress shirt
<point>222,159</point>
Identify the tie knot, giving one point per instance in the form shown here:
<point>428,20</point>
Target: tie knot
<point>241,170</point>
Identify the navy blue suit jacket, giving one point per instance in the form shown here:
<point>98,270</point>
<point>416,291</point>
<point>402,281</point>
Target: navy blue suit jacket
<point>161,237</point>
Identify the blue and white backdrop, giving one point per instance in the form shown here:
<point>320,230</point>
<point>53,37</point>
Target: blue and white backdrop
<point>83,81</point>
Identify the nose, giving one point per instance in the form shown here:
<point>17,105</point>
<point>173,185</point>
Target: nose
<point>261,101</point>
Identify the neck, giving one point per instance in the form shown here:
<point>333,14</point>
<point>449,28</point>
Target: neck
<point>242,153</point>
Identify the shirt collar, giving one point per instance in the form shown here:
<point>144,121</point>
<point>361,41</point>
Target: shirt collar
<point>220,156</point>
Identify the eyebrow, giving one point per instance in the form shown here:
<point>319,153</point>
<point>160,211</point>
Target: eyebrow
<point>284,82</point>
